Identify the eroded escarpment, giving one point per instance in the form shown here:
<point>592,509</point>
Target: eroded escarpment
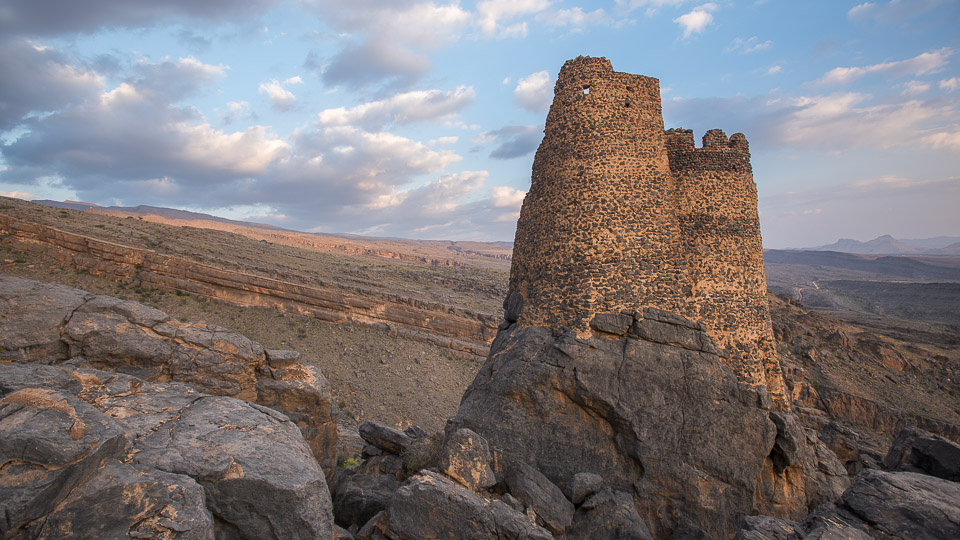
<point>448,326</point>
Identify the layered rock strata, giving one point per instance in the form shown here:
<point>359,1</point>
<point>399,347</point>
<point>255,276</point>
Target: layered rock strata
<point>447,326</point>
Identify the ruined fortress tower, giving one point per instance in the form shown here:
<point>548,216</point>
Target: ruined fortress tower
<point>623,215</point>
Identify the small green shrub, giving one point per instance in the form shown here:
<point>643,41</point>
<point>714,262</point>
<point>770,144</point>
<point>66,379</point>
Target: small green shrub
<point>343,462</point>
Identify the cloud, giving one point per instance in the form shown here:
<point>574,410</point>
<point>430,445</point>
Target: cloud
<point>928,62</point>
<point>627,6</point>
<point>507,197</point>
<point>18,195</point>
<point>33,18</point>
<point>234,109</point>
<point>280,98</point>
<point>892,11</point>
<point>913,88</point>
<point>533,92</point>
<point>375,62</point>
<point>697,20</point>
<point>832,123</point>
<point>389,41</point>
<point>134,133</point>
<point>574,17</point>
<point>748,45</point>
<point>493,16</point>
<point>774,70</point>
<point>402,108</point>
<point>512,141</point>
<point>945,139</point>
<point>950,84</point>
<point>40,80</point>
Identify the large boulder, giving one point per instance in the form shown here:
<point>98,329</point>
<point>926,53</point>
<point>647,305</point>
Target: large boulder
<point>646,403</point>
<point>47,323</point>
<point>431,505</point>
<point>919,451</point>
<point>359,497</point>
<point>93,454</point>
<point>888,505</point>
<point>465,457</point>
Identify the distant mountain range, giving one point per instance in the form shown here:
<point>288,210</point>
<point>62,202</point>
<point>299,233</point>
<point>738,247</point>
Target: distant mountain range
<point>143,210</point>
<point>888,245</point>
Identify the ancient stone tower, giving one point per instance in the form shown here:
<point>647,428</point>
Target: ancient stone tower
<point>623,215</point>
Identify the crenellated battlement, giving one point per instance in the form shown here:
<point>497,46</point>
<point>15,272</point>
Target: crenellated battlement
<point>622,215</point>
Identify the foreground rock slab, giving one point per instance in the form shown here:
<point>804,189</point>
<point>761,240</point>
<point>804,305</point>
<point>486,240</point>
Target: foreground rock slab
<point>91,453</point>
<point>49,324</point>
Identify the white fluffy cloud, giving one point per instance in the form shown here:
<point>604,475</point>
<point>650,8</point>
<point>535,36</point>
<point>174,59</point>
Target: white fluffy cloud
<point>922,64</point>
<point>833,123</point>
<point>495,17</point>
<point>533,92</point>
<point>696,20</point>
<point>950,84</point>
<point>281,98</point>
<point>402,108</point>
<point>507,197</point>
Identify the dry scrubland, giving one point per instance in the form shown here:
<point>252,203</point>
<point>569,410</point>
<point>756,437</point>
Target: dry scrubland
<point>399,381</point>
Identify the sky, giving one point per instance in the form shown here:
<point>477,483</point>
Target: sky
<point>420,119</point>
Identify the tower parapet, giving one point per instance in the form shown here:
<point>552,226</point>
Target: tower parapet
<point>622,215</point>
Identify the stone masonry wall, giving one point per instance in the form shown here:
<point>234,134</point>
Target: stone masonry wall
<point>623,215</point>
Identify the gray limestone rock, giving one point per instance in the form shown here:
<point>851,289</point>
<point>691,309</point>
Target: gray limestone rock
<point>658,417</point>
<point>465,457</point>
<point>88,453</point>
<point>769,528</point>
<point>359,497</point>
<point>919,451</point>
<point>248,458</point>
<point>385,437</point>
<point>430,505</point>
<point>123,501</point>
<point>541,495</point>
<point>31,328</point>
<point>608,515</point>
<point>581,486</point>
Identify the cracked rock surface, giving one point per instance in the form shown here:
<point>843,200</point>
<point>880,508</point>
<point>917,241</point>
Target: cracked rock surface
<point>51,324</point>
<point>90,453</point>
<point>645,403</point>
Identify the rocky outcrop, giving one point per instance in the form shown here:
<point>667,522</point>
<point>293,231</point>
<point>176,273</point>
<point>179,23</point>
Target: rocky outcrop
<point>916,450</point>
<point>647,404</point>
<point>52,324</point>
<point>914,499</point>
<point>94,454</point>
<point>444,325</point>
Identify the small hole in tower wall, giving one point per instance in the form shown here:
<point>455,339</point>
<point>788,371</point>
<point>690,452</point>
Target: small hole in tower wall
<point>586,90</point>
